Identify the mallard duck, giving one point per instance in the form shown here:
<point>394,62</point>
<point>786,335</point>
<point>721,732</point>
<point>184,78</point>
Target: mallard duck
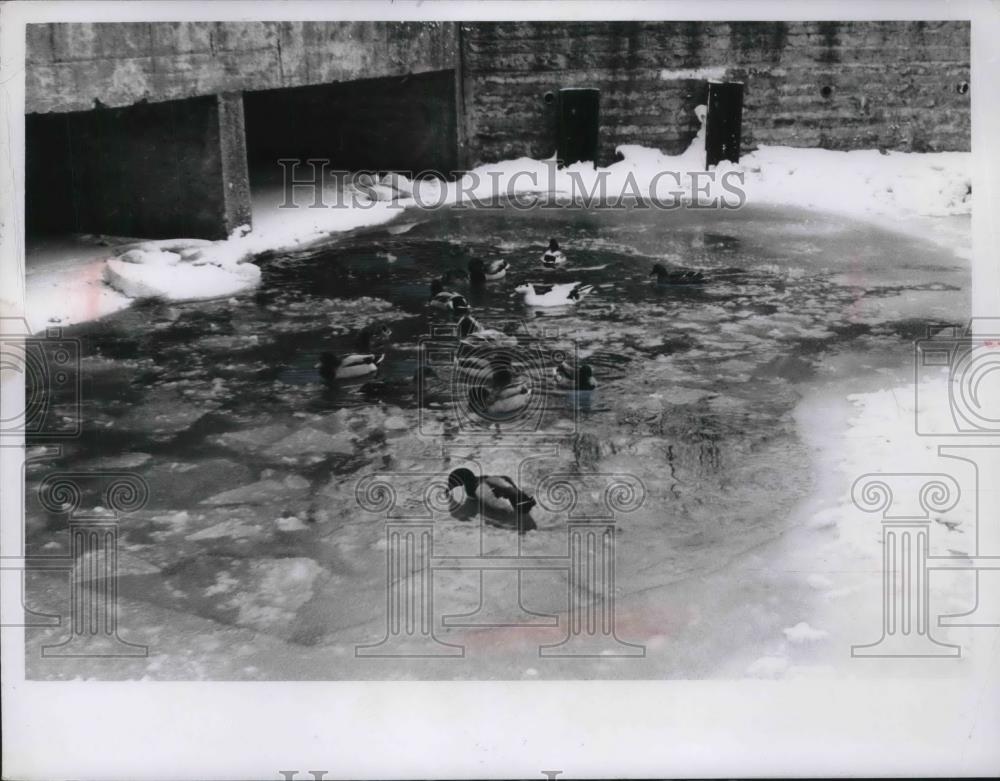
<point>373,337</point>
<point>553,295</point>
<point>676,276</point>
<point>482,271</point>
<point>472,332</point>
<point>501,396</point>
<point>498,498</point>
<point>345,367</point>
<point>553,256</point>
<point>445,300</point>
<point>423,379</point>
<point>581,379</point>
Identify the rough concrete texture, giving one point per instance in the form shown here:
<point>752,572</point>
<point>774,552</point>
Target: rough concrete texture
<point>837,85</point>
<point>73,66</point>
<point>235,183</point>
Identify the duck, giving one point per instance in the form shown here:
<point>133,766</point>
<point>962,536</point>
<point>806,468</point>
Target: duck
<point>498,497</point>
<point>676,276</point>
<point>553,256</point>
<point>374,337</point>
<point>502,396</point>
<point>580,379</point>
<point>553,295</point>
<point>487,271</point>
<point>472,332</point>
<point>445,300</point>
<point>346,367</point>
<point>422,381</point>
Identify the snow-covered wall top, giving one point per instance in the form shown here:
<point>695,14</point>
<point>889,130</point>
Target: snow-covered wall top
<point>71,66</point>
<point>838,85</point>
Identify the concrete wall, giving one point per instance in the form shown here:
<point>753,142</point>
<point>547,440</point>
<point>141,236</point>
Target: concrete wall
<point>489,95</point>
<point>838,85</point>
<point>74,67</point>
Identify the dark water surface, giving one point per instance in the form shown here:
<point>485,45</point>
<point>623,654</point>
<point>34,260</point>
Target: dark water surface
<point>252,558</point>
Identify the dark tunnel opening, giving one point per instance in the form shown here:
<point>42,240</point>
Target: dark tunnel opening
<point>389,124</point>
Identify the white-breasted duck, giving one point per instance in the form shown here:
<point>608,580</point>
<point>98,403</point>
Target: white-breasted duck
<point>677,276</point>
<point>565,294</point>
<point>498,497</point>
<point>345,367</point>
<point>580,379</point>
<point>481,271</point>
<point>553,256</point>
<point>500,395</point>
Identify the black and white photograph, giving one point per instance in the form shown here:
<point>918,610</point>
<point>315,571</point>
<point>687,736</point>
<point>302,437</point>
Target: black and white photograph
<point>517,343</point>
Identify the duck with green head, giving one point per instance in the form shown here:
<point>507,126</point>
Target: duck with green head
<point>498,497</point>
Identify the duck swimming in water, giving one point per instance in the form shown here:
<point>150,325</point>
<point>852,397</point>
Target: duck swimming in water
<point>481,271</point>
<point>501,396</point>
<point>553,256</point>
<point>423,381</point>
<point>447,301</point>
<point>471,332</point>
<point>498,498</point>
<point>581,379</point>
<point>346,367</point>
<point>553,295</point>
<point>676,276</point>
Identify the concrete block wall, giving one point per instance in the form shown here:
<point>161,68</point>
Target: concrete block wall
<point>837,85</point>
<point>75,67</point>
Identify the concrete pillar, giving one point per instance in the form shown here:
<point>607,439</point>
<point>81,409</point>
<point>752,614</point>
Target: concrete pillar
<point>158,170</point>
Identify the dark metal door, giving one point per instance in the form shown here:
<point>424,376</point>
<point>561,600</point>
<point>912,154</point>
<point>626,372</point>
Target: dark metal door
<point>579,120</point>
<point>724,122</point>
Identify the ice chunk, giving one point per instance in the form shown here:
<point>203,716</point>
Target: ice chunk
<point>264,491</point>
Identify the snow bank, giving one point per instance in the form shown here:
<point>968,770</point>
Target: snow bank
<point>861,182</point>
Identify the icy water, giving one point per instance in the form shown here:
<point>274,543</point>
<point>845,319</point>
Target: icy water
<point>255,558</point>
